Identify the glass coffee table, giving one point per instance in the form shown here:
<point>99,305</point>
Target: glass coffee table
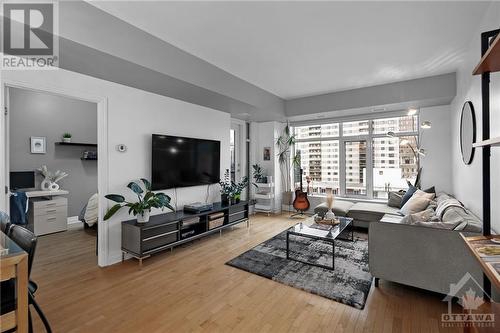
<point>321,232</point>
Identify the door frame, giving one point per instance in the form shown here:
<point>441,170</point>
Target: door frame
<point>240,153</point>
<point>102,150</point>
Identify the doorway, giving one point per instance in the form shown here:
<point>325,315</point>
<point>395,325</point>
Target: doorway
<point>97,169</point>
<point>238,148</point>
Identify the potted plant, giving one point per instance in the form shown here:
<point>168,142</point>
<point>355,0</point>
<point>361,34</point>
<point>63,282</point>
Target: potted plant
<point>285,142</point>
<point>226,188</point>
<point>141,208</point>
<point>238,188</point>
<point>66,137</point>
<point>258,174</point>
<point>231,191</point>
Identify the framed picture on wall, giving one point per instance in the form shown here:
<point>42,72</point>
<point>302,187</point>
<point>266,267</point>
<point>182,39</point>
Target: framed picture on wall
<point>267,153</point>
<point>38,145</point>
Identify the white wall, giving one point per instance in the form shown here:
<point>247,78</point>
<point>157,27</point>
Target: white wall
<point>436,165</point>
<point>466,179</point>
<point>133,115</point>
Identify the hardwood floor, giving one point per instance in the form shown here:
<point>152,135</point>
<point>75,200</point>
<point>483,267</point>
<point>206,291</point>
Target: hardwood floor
<point>191,289</point>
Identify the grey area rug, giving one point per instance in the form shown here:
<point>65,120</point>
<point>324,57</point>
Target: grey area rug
<point>349,283</point>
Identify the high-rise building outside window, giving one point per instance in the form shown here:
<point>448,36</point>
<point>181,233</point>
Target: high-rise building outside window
<point>357,158</point>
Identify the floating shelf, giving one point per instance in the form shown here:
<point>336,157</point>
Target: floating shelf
<point>88,159</point>
<point>81,144</point>
<point>490,62</point>
<point>490,142</point>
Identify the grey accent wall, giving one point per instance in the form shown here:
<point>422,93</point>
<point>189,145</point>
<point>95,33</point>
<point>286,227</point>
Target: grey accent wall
<point>41,114</point>
<point>433,90</point>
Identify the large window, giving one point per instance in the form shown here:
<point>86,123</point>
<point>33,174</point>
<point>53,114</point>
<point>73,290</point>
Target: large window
<point>358,158</point>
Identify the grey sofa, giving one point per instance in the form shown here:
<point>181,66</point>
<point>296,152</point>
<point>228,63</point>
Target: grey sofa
<point>363,213</point>
<point>421,256</point>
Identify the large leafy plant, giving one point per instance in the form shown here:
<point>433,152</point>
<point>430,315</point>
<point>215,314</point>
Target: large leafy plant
<point>258,173</point>
<point>285,143</point>
<point>230,188</point>
<point>146,200</point>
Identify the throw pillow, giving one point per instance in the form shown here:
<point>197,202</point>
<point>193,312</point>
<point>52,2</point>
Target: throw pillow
<point>420,193</point>
<point>424,216</point>
<point>431,190</point>
<point>414,205</point>
<point>395,199</point>
<point>92,211</point>
<point>411,189</point>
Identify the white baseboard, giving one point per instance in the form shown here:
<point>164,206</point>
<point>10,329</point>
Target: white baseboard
<point>74,222</point>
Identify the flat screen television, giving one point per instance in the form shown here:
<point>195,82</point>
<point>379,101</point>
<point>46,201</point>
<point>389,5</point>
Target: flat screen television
<point>181,162</point>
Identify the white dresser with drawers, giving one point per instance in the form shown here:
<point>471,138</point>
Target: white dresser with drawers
<point>47,212</point>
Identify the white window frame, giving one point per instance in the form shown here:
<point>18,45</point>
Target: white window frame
<point>365,137</point>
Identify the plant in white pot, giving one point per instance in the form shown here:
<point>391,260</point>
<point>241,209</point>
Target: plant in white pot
<point>146,200</point>
<point>66,137</point>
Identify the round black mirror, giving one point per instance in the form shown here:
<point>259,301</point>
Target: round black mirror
<point>467,132</point>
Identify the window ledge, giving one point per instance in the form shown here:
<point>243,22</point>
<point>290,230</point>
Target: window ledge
<point>352,199</point>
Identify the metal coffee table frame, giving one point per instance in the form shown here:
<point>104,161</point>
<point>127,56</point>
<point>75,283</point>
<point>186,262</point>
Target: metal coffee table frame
<point>346,226</point>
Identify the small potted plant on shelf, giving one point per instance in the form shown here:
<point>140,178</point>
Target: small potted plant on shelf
<point>258,174</point>
<point>141,208</point>
<point>66,137</point>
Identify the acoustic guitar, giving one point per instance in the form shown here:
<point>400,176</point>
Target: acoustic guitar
<point>301,203</point>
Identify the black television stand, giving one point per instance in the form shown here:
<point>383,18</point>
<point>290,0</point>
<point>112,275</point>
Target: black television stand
<point>166,231</point>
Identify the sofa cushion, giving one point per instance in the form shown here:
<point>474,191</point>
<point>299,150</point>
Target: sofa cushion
<point>465,220</point>
<point>395,199</point>
<point>340,208</point>
<point>411,189</point>
<point>370,211</point>
<point>428,195</point>
<point>414,205</point>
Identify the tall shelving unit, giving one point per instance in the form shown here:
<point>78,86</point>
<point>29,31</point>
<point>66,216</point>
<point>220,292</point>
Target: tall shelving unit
<point>265,198</point>
<point>489,63</point>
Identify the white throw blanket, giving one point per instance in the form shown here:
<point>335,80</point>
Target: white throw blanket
<point>445,204</point>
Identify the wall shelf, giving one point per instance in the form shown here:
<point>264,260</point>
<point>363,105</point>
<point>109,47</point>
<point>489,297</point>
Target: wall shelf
<point>80,144</point>
<point>88,159</point>
<point>491,142</point>
<point>490,62</point>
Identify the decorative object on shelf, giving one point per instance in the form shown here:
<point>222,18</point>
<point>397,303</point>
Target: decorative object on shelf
<point>66,137</point>
<point>329,216</point>
<point>50,180</point>
<point>284,144</point>
<point>38,145</point>
<point>258,174</point>
<point>267,154</point>
<point>141,208</point>
<point>467,132</point>
<point>231,191</point>
<point>89,155</point>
